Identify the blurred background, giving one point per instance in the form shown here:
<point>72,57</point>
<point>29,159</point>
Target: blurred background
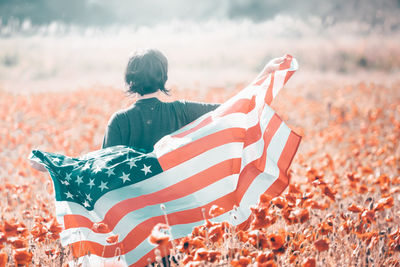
<point>66,45</point>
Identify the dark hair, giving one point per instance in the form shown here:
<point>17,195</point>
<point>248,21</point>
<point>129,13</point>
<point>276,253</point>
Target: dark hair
<point>147,72</point>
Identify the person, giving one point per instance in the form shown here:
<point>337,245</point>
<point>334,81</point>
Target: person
<point>149,119</point>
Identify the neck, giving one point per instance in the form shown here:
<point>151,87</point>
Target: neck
<point>155,94</point>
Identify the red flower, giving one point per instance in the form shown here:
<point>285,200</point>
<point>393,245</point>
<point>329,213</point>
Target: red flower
<point>321,245</point>
<point>112,239</point>
<point>309,262</point>
<point>100,228</point>
<point>276,241</point>
<point>201,254</point>
<point>280,202</point>
<point>158,235</point>
<point>355,208</point>
<point>22,256</point>
<point>3,259</point>
<point>55,227</point>
<point>216,211</point>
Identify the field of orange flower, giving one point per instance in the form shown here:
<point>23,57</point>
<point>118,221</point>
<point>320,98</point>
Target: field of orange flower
<point>341,209</point>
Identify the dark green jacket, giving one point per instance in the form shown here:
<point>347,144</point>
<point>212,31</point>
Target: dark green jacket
<point>148,120</point>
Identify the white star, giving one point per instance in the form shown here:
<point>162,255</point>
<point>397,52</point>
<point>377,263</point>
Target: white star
<point>110,172</point>
<point>68,177</point>
<point>146,169</point>
<point>56,160</point>
<point>87,166</point>
<point>125,177</point>
<point>69,195</point>
<point>88,197</point>
<point>132,163</point>
<point>65,182</point>
<point>91,183</point>
<point>86,204</point>
<point>97,169</point>
<point>79,180</point>
<point>103,186</point>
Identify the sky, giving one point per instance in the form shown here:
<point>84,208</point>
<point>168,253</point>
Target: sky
<point>150,12</point>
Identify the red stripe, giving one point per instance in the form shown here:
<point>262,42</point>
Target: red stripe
<point>268,95</point>
<point>288,75</point>
<point>240,106</point>
<point>253,134</point>
<point>176,191</point>
<point>286,64</point>
<point>269,132</point>
<point>199,146</point>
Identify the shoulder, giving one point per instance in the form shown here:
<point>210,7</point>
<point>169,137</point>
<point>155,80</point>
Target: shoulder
<point>120,116</point>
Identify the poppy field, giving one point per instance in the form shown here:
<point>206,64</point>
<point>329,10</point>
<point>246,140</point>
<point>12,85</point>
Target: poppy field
<point>340,209</point>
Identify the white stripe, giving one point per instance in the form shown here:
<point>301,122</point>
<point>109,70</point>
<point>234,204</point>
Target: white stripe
<point>255,150</point>
<point>278,82</point>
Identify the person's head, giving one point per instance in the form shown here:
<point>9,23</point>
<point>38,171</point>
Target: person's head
<point>147,72</point>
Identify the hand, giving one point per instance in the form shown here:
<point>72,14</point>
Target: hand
<point>273,65</point>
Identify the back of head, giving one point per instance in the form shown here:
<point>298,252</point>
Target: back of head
<point>147,72</point>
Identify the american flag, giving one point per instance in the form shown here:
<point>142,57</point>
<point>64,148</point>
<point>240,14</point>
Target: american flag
<point>227,157</point>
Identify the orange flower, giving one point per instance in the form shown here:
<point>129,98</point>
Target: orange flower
<point>158,235</point>
<point>263,257</point>
<point>242,236</point>
<point>215,233</point>
<point>355,208</point>
<point>368,216</point>
<point>112,239</point>
<point>241,262</point>
<point>10,228</point>
<point>329,192</point>
<point>321,245</point>
<point>216,211</point>
<point>3,259</point>
<point>17,242</point>
<point>198,242</point>
<point>264,200</point>
<point>309,262</point>
<point>201,254</point>
<point>55,227</point>
<point>280,202</point>
<point>22,256</point>
<point>184,245</point>
<point>384,203</point>
<point>187,259</point>
<point>100,228</point>
<point>39,232</point>
<point>276,241</point>
<point>213,255</point>
<point>302,215</point>
<point>294,189</point>
<point>3,237</point>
